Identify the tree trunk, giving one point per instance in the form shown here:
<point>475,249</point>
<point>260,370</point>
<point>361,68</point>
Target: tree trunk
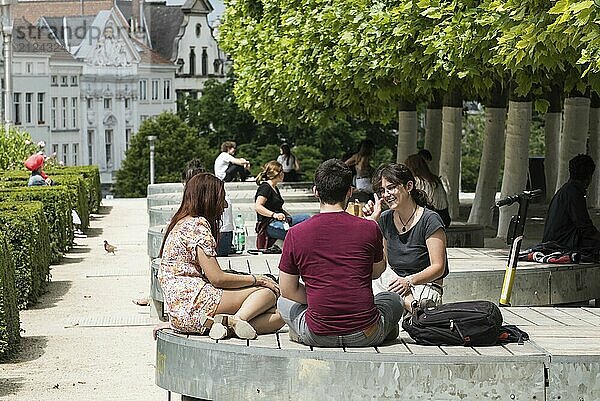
<point>450,153</point>
<point>574,136</point>
<point>433,134</point>
<point>407,131</point>
<point>516,158</point>
<point>552,127</point>
<point>491,157</point>
<point>593,191</point>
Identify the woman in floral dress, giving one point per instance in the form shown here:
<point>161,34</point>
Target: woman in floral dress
<point>199,296</point>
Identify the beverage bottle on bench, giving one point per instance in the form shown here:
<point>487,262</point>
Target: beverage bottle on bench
<point>240,233</point>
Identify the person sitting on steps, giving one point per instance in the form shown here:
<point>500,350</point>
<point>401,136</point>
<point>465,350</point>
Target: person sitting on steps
<point>227,166</point>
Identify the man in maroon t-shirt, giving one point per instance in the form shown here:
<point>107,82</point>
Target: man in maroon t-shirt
<point>337,255</point>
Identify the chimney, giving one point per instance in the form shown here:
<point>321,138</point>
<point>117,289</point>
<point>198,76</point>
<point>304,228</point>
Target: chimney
<point>135,13</point>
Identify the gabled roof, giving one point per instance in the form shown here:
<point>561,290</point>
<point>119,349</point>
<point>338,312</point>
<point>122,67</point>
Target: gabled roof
<point>27,38</point>
<point>34,10</point>
<point>164,24</point>
<point>197,7</point>
<point>69,31</point>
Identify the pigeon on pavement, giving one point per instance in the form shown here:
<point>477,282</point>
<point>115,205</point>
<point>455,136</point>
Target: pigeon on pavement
<point>109,248</point>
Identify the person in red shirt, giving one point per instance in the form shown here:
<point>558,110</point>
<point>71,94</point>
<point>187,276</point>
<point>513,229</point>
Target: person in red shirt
<point>337,255</point>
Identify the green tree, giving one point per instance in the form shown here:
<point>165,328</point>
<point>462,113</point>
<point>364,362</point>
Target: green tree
<point>175,145</point>
<point>15,147</point>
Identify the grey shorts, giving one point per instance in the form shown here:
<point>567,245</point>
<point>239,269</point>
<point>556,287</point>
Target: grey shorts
<point>389,305</point>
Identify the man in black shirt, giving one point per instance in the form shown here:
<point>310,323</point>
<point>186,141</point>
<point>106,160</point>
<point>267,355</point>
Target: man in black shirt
<point>568,223</point>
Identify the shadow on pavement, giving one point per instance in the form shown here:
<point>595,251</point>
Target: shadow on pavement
<point>30,349</point>
<point>66,260</point>
<point>10,385</point>
<point>79,249</point>
<point>104,210</point>
<point>55,292</point>
<point>94,232</point>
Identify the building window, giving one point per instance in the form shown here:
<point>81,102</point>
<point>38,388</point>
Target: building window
<point>143,89</point>
<point>17,108</point>
<point>55,149</point>
<point>40,108</point>
<point>167,89</point>
<point>89,102</point>
<point>54,80</point>
<point>90,145</point>
<point>74,81</point>
<point>155,84</point>
<point>65,153</point>
<point>144,118</point>
<point>74,111</point>
<point>53,111</point>
<point>192,61</point>
<point>204,61</point>
<point>127,103</point>
<point>75,153</point>
<point>28,108</point>
<point>107,103</point>
<point>64,102</point>
<point>64,80</point>
<point>127,138</point>
<point>108,138</point>
<point>29,68</point>
<point>198,30</point>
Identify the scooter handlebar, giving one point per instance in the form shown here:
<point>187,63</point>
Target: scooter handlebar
<point>509,200</point>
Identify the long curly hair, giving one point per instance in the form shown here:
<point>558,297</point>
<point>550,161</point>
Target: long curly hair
<point>204,195</point>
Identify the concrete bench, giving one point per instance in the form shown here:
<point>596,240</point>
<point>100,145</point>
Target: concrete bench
<point>229,186</point>
<point>463,235</point>
<point>550,367</point>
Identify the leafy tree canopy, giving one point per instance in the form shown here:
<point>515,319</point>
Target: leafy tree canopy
<point>175,145</point>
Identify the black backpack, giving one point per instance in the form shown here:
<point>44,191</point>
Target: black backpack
<point>470,323</point>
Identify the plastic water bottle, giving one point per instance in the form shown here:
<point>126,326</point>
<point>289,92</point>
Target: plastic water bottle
<point>240,233</point>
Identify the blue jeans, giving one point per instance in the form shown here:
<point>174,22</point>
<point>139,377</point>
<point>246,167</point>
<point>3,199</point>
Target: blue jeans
<point>275,228</point>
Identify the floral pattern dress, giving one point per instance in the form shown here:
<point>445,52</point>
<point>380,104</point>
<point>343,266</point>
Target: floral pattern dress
<point>187,292</point>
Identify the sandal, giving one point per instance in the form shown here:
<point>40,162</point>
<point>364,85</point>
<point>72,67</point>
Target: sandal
<point>241,328</point>
<point>141,301</point>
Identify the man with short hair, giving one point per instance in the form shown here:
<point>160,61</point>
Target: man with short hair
<point>227,166</point>
<point>568,224</point>
<point>337,255</point>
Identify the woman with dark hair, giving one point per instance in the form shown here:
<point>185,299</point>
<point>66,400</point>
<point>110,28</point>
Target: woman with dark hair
<point>431,185</point>
<point>414,237</point>
<point>272,219</point>
<point>199,296</point>
<point>290,164</point>
<point>361,161</point>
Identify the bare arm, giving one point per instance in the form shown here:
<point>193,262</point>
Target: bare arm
<point>220,279</point>
<point>351,161</point>
<point>291,288</point>
<point>240,161</point>
<point>259,206</point>
<point>436,247</point>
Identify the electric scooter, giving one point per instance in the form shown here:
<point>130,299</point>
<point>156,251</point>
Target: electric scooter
<point>514,238</point>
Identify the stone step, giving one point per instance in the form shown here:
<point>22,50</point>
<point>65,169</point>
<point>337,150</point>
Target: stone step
<point>161,215</point>
<point>238,196</point>
<point>229,186</point>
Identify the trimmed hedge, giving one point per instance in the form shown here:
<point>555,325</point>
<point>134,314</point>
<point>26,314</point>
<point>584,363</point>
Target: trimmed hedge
<point>9,313</point>
<point>57,202</point>
<point>91,177</point>
<point>25,228</point>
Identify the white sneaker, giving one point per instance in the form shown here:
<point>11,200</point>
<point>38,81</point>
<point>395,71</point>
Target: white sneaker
<point>250,179</point>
